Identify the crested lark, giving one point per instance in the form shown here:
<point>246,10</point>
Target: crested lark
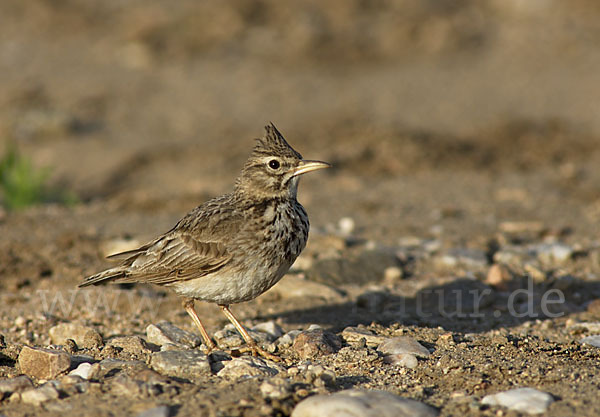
<point>234,247</point>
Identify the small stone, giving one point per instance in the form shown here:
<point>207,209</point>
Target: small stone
<point>511,255</point>
<point>229,338</point>
<point>20,322</point>
<point>249,366</point>
<point>110,366</point>
<point>187,364</point>
<point>593,327</point>
<point>446,339</point>
<point>391,274</point>
<point>554,253</point>
<point>403,344</point>
<point>73,384</point>
<point>84,336</point>
<point>276,389</point>
<point>525,400</point>
<point>315,343</point>
<point>270,328</point>
<point>83,370</point>
<point>17,384</point>
<point>288,339</point>
<point>521,227</point>
<point>40,395</point>
<point>346,226</point>
<point>497,275</point>
<point>43,363</point>
<point>406,360</point>
<point>592,340</point>
<point>160,411</point>
<point>360,403</point>
<point>472,258</point>
<point>354,335</point>
<point>144,382</point>
<point>129,344</point>
<point>167,333</point>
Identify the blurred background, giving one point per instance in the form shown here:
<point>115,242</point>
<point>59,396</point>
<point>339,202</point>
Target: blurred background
<point>428,109</point>
<point>464,136</point>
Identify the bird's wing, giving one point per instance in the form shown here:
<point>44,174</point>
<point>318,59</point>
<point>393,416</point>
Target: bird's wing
<point>170,258</point>
<point>178,257</point>
<point>192,249</point>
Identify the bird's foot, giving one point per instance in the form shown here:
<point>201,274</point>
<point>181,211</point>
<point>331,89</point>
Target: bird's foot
<point>257,351</point>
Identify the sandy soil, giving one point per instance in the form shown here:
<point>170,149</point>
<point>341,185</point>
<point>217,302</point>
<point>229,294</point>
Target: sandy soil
<point>464,138</point>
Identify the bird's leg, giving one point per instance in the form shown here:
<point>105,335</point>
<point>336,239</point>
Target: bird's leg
<point>252,345</point>
<point>188,304</point>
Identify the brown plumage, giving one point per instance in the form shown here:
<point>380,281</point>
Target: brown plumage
<point>234,247</point>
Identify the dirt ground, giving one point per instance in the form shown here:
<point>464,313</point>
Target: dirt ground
<point>465,192</point>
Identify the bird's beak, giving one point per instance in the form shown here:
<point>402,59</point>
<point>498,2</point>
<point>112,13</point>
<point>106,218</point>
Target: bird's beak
<point>306,166</point>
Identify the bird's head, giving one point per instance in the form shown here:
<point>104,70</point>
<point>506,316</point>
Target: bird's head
<point>274,167</point>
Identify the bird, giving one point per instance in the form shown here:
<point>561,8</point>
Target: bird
<point>234,247</point>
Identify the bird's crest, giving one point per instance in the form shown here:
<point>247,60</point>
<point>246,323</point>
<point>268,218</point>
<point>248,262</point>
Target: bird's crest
<point>273,143</point>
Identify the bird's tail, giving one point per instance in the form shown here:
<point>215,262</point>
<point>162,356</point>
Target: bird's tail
<point>104,276</point>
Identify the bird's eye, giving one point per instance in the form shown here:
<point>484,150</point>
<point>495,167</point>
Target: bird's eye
<point>274,164</point>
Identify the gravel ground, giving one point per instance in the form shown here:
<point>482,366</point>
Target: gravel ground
<point>453,263</point>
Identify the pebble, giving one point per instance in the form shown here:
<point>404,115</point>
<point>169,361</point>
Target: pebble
<point>553,253</point>
<point>592,327</point>
<point>391,274</point>
<point>511,255</point>
<point>40,395</point>
<point>187,364</point>
<point>20,321</point>
<point>17,384</point>
<point>130,344</point>
<point>360,403</point>
<point>521,227</point>
<point>288,339</point>
<point>346,226</point>
<point>249,366</point>
<point>355,335</point>
<point>229,337</point>
<point>84,370</point>
<point>73,384</point>
<point>591,340</point>
<point>110,366</point>
<point>160,411</point>
<point>142,383</point>
<point>403,344</point>
<point>167,333</point>
<point>525,400</point>
<point>498,275</point>
<point>276,389</point>
<point>84,336</point>
<point>315,343</point>
<point>406,360</point>
<point>472,258</point>
<point>43,363</point>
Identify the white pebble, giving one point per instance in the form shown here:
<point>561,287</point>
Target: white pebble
<point>346,226</point>
<point>592,340</point>
<point>83,370</point>
<point>525,400</point>
<point>354,403</point>
<point>403,344</point>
